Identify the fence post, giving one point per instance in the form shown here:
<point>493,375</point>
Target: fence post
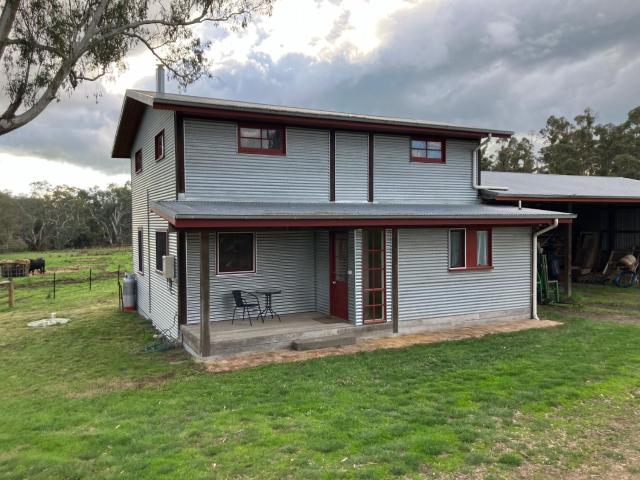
<point>11,297</point>
<point>54,285</point>
<point>89,279</point>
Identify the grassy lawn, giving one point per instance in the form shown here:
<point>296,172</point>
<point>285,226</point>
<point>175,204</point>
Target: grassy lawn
<point>85,400</point>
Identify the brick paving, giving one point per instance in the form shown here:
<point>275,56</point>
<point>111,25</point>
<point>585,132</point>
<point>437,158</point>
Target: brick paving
<point>248,360</point>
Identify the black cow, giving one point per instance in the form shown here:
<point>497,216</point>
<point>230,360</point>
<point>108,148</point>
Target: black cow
<point>37,265</point>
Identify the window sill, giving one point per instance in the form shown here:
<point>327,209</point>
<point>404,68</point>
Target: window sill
<point>257,151</point>
<point>160,158</point>
<point>139,273</point>
<point>426,160</point>
<point>225,274</point>
<point>466,269</point>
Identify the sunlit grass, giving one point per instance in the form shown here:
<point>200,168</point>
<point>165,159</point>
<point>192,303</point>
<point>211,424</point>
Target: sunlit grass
<point>83,401</point>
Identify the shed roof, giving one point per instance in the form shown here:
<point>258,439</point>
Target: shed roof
<point>192,214</point>
<point>561,188</point>
<point>137,100</point>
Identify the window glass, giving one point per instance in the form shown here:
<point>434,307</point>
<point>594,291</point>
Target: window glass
<point>373,275</point>
<point>456,248</point>
<point>161,248</point>
<point>159,144</point>
<point>482,247</point>
<point>271,140</point>
<point>236,252</point>
<point>140,251</point>
<point>138,161</point>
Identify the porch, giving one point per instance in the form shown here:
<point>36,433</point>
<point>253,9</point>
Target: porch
<point>227,339</point>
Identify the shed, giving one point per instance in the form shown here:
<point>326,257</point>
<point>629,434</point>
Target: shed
<point>608,221</point>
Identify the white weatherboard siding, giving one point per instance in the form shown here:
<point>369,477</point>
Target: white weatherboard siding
<point>285,260</point>
<point>398,180</point>
<point>352,167</point>
<point>214,170</point>
<point>428,290</point>
<point>158,179</point>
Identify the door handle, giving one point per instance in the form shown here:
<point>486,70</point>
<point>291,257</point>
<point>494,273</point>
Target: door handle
<point>334,282</point>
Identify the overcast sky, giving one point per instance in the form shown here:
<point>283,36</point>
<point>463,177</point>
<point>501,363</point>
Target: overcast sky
<point>491,63</point>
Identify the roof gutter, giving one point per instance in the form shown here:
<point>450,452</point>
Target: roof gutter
<point>534,279</point>
<point>474,173</point>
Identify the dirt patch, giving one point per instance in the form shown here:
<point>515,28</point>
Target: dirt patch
<point>116,385</point>
<point>238,362</point>
<point>608,316</point>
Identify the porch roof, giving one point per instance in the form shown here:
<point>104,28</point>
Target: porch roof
<point>218,214</point>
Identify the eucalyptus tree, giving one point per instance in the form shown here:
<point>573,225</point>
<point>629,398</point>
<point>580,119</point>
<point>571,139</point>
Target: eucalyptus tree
<point>51,46</point>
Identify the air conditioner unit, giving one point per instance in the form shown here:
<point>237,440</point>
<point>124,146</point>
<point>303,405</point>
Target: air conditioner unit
<point>169,266</point>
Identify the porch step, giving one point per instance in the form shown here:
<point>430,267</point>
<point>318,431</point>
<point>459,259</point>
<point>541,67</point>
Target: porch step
<point>323,342</point>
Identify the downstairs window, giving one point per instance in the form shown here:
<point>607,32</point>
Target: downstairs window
<point>470,248</point>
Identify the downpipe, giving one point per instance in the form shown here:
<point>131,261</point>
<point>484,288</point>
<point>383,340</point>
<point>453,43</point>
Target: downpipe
<point>474,173</point>
<point>534,280</point>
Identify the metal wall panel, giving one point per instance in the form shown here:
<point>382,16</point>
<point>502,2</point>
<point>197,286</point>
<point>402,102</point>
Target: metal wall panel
<point>396,179</point>
<point>388,273</point>
<point>352,166</point>
<point>322,271</point>
<point>427,289</point>
<point>158,179</point>
<point>355,279</point>
<point>214,170</point>
<point>284,260</point>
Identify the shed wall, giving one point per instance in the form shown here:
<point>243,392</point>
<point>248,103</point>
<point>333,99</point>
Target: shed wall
<point>157,181</point>
<point>214,170</point>
<point>427,289</point>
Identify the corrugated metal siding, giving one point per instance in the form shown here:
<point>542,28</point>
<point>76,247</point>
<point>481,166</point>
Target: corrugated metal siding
<point>396,179</point>
<point>352,167</point>
<point>158,178</point>
<point>214,170</point>
<point>427,289</point>
<point>284,260</point>
<point>355,279</point>
<point>388,273</point>
<point>627,225</point>
<point>322,271</point>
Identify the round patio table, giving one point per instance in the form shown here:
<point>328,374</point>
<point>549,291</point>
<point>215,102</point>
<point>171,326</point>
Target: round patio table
<point>268,293</point>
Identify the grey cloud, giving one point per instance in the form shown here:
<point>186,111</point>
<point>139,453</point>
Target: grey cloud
<point>493,63</point>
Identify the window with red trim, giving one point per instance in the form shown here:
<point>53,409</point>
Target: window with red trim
<point>138,161</point>
<point>159,145</point>
<point>428,150</point>
<point>470,248</point>
<point>261,139</point>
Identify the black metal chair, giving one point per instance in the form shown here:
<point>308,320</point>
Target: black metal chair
<point>241,302</point>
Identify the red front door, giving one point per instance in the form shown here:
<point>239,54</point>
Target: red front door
<point>338,275</point>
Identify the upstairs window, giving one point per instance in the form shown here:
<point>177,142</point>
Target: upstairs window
<point>261,139</point>
<point>470,248</point>
<point>428,150</point>
<point>162,248</point>
<point>138,161</point>
<point>159,145</point>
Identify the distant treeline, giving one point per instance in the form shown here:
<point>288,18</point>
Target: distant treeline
<point>65,217</point>
<point>579,147</point>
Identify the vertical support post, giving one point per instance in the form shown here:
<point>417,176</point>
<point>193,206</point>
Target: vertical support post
<point>394,279</point>
<point>11,295</point>
<point>205,342</point>
<point>568,259</point>
<point>89,279</point>
<point>54,285</point>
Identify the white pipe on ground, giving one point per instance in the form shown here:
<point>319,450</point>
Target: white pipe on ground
<point>534,280</point>
<point>474,172</point>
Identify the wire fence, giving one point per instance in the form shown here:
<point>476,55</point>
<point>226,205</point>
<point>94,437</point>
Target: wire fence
<point>57,284</point>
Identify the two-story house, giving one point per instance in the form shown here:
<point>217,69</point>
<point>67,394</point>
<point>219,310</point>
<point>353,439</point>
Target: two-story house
<point>372,221</point>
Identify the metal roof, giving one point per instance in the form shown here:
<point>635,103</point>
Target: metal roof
<point>135,99</point>
<point>177,210</point>
<point>154,98</point>
<point>561,187</point>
